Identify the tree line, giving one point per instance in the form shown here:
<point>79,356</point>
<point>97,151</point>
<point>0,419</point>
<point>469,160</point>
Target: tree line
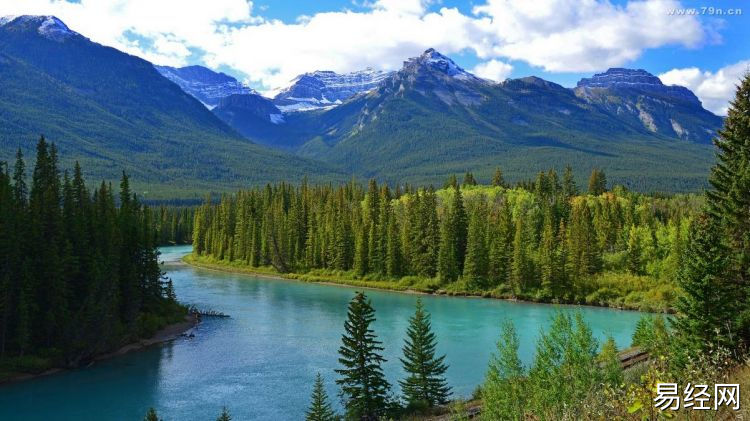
<point>174,224</point>
<point>542,239</point>
<point>78,268</point>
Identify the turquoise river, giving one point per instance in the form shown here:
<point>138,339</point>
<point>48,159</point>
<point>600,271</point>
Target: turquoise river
<point>261,362</point>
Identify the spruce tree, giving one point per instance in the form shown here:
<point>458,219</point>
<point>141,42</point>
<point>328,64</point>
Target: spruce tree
<point>469,180</point>
<point>547,260</point>
<point>425,384</point>
<point>459,227</point>
<point>707,308</point>
<point>224,416</point>
<point>447,264</point>
<point>569,187</point>
<point>729,200</point>
<point>477,256</point>
<point>320,408</point>
<point>597,182</point>
<point>634,251</point>
<point>151,415</point>
<point>497,178</point>
<point>363,384</point>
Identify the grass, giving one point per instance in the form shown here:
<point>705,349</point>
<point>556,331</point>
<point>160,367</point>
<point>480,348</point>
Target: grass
<point>615,290</point>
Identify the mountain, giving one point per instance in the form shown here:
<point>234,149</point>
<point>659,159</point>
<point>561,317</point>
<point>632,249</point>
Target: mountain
<point>639,97</point>
<point>432,118</point>
<point>204,84</point>
<point>326,89</point>
<point>113,111</point>
<point>252,115</point>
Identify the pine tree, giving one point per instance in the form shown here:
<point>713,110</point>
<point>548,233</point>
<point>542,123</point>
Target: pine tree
<point>363,384</point>
<point>469,180</point>
<point>729,201</point>
<point>609,362</point>
<point>425,384</point>
<point>569,187</point>
<point>394,258</point>
<point>224,416</point>
<point>634,251</point>
<point>597,182</point>
<point>547,261</point>
<point>459,227</point>
<point>518,270</point>
<point>320,408</point>
<point>477,256</point>
<point>707,309</point>
<point>497,178</point>
<point>447,264</point>
<point>151,415</point>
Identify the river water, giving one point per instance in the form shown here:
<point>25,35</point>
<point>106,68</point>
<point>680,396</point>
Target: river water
<point>262,361</point>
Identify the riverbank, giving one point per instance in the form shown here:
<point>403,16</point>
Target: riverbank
<point>407,285</point>
<point>164,335</point>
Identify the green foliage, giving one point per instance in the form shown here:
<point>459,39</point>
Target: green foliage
<point>597,182</point>
<point>151,415</point>
<point>320,408</point>
<point>363,384</point>
<point>78,275</point>
<point>224,416</point>
<point>618,249</point>
<point>566,372</point>
<point>505,391</point>
<point>729,207</point>
<point>708,307</point>
<point>652,335</point>
<point>425,385</point>
<point>609,362</point>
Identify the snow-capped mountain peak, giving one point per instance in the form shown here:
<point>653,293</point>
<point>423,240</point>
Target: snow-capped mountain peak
<point>48,26</point>
<point>436,61</point>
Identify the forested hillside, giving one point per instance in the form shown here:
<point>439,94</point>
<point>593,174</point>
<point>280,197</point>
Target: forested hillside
<point>112,111</point>
<point>543,240</point>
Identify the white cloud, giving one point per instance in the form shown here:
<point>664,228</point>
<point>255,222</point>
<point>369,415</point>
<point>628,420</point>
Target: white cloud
<point>493,69</point>
<point>583,35</point>
<point>714,89</point>
<point>557,35</point>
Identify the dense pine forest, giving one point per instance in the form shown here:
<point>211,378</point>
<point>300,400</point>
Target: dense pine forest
<point>79,271</point>
<point>174,224</point>
<point>541,240</point>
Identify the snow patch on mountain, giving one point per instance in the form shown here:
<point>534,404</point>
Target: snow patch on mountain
<point>326,89</point>
<point>48,26</point>
<point>204,84</point>
<point>276,118</point>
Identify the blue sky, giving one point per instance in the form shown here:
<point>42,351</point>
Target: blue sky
<point>266,43</point>
<point>731,48</point>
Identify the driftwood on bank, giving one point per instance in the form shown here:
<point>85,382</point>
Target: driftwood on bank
<point>207,313</point>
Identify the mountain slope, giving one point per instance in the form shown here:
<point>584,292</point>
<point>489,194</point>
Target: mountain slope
<point>115,111</point>
<point>433,118</point>
<point>640,98</point>
<point>204,84</point>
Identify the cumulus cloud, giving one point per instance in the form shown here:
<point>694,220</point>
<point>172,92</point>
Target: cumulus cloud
<point>714,89</point>
<point>583,35</point>
<point>493,69</point>
<point>556,35</point>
